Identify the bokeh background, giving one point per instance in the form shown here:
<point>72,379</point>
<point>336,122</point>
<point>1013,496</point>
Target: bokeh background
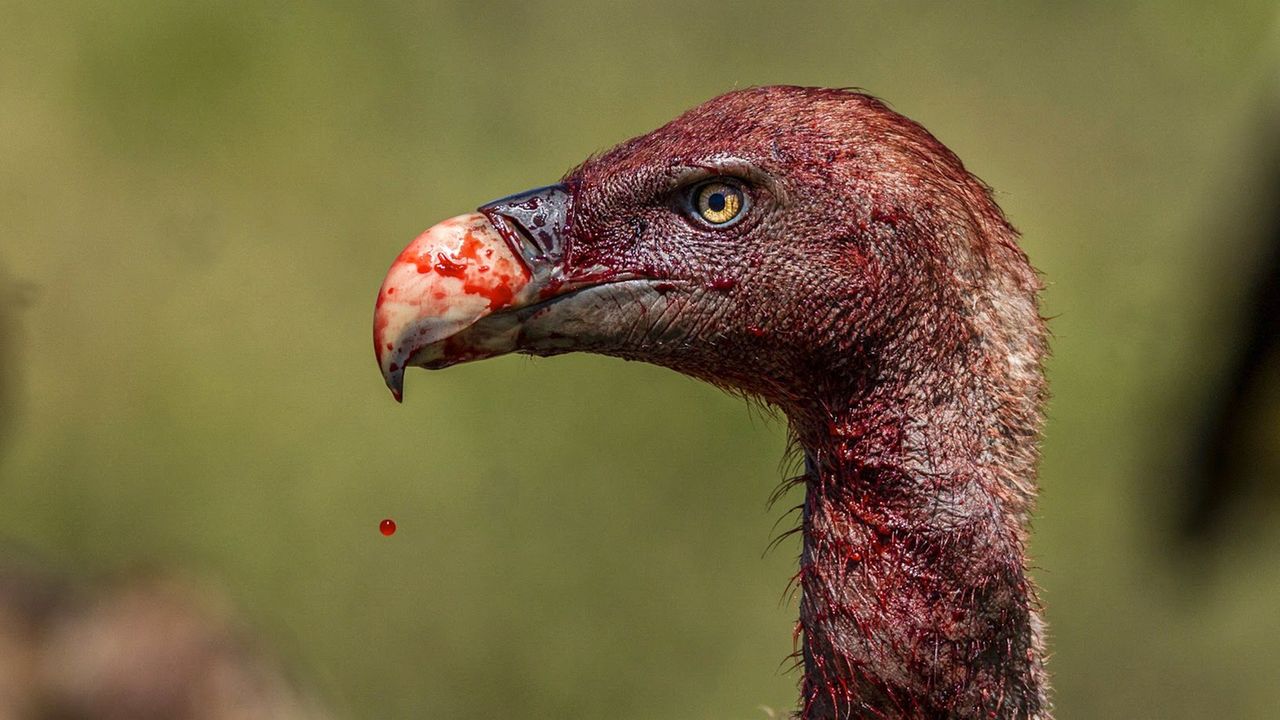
<point>198,202</point>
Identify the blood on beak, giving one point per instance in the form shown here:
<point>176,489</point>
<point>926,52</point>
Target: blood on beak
<point>449,277</point>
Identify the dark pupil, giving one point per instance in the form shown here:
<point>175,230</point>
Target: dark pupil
<point>716,202</point>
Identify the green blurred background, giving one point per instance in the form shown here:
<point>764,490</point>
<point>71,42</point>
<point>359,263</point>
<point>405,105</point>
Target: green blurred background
<point>198,202</point>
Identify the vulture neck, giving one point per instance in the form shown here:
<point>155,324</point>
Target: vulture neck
<point>915,601</point>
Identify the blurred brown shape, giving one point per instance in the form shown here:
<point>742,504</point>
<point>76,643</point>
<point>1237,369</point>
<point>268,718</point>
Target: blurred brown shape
<point>135,648</point>
<point>1224,469</point>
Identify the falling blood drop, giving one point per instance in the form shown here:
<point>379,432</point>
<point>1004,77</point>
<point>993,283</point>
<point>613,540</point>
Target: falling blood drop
<point>387,527</point>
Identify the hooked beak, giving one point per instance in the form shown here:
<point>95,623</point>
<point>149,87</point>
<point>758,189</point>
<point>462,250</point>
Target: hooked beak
<point>465,289</point>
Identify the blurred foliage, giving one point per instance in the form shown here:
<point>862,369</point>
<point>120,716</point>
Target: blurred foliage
<point>204,196</point>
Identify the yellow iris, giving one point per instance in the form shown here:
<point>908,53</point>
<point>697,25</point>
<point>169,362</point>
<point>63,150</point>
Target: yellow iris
<point>718,202</point>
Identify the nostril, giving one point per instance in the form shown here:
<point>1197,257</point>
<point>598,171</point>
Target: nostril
<point>532,227</point>
<point>517,238</point>
<point>534,220</point>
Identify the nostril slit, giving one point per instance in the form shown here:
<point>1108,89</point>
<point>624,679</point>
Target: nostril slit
<point>526,236</point>
<point>533,223</point>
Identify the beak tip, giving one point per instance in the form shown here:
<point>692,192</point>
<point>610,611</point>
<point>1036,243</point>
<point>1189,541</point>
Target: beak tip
<point>395,383</point>
<point>448,278</point>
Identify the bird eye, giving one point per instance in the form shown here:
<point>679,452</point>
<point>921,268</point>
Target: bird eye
<point>718,202</point>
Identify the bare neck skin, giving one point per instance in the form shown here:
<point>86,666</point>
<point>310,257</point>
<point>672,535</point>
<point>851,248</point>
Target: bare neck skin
<point>915,601</point>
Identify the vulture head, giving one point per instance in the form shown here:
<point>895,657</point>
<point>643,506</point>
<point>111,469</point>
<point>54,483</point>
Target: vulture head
<point>814,249</point>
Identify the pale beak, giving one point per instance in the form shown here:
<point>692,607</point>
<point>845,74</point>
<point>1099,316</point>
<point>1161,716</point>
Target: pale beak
<point>446,279</point>
<point>507,256</point>
<point>506,279</point>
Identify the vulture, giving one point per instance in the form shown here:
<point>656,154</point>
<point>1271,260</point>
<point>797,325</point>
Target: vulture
<point>813,249</point>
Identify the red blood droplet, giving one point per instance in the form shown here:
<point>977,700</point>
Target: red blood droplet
<point>387,527</point>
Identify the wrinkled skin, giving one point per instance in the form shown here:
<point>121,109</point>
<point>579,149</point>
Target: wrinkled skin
<point>874,292</point>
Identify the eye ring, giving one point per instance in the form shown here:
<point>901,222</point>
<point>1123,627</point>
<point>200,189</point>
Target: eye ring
<point>718,202</point>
